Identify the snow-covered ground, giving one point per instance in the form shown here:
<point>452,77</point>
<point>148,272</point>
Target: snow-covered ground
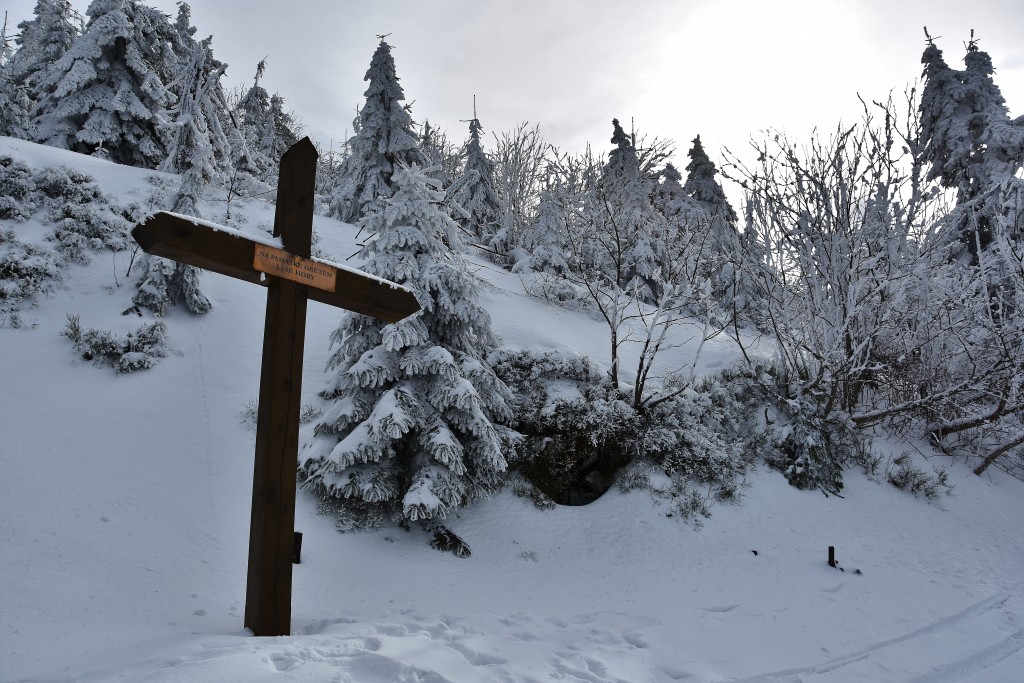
<point>124,515</point>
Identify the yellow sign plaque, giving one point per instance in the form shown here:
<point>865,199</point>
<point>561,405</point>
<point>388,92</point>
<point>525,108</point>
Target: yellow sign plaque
<point>280,263</point>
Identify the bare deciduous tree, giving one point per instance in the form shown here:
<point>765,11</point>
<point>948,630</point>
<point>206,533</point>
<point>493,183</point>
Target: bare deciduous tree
<point>872,321</point>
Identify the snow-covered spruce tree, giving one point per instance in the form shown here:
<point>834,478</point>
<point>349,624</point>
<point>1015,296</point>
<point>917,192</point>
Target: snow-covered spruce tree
<point>201,106</point>
<point>252,116</point>
<point>14,101</point>
<point>545,238</point>
<point>971,144</point>
<point>673,202</point>
<point>442,156</point>
<point>385,140</point>
<point>267,130</point>
<point>702,185</point>
<point>631,233</point>
<point>284,130</point>
<point>478,197</point>
<point>198,152</point>
<point>414,430</point>
<point>694,242</point>
<point>197,146</point>
<point>42,41</point>
<point>107,95</point>
<point>249,167</point>
<point>688,219</point>
<point>721,249</point>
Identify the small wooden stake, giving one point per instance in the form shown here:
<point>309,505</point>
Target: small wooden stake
<point>832,556</point>
<point>297,548</point>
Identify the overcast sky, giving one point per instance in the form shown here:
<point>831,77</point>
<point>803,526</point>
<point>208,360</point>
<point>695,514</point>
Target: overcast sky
<point>724,69</point>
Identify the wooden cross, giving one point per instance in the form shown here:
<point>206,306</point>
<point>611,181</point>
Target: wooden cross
<point>291,277</point>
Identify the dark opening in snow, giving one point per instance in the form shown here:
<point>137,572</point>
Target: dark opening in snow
<point>588,487</point>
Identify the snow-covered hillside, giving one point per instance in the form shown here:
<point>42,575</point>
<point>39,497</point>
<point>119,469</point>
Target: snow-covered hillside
<point>124,515</point>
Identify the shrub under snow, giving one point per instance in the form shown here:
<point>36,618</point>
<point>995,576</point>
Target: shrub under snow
<point>133,351</point>
<point>580,435</point>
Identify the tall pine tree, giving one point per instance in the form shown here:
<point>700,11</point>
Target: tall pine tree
<point>198,151</point>
<point>385,140</point>
<point>413,430</point>
<point>197,145</point>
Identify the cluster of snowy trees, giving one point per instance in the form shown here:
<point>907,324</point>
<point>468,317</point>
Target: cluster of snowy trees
<point>888,260</point>
<point>127,83</point>
<point>884,262</point>
<point>420,423</point>
<point>416,426</point>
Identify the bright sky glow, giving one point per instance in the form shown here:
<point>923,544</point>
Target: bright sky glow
<point>723,69</point>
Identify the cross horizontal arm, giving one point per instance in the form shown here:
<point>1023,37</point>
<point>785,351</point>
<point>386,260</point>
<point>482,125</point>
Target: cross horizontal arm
<point>229,254</point>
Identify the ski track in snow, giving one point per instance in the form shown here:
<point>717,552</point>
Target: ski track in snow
<point>951,643</point>
<point>207,427</point>
<point>412,647</point>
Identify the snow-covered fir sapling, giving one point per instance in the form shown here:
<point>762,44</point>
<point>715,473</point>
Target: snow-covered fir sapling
<point>414,426</point>
<point>167,283</point>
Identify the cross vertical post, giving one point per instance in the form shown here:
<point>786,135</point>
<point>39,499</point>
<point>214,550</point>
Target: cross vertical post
<point>271,531</point>
<point>291,278</point>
